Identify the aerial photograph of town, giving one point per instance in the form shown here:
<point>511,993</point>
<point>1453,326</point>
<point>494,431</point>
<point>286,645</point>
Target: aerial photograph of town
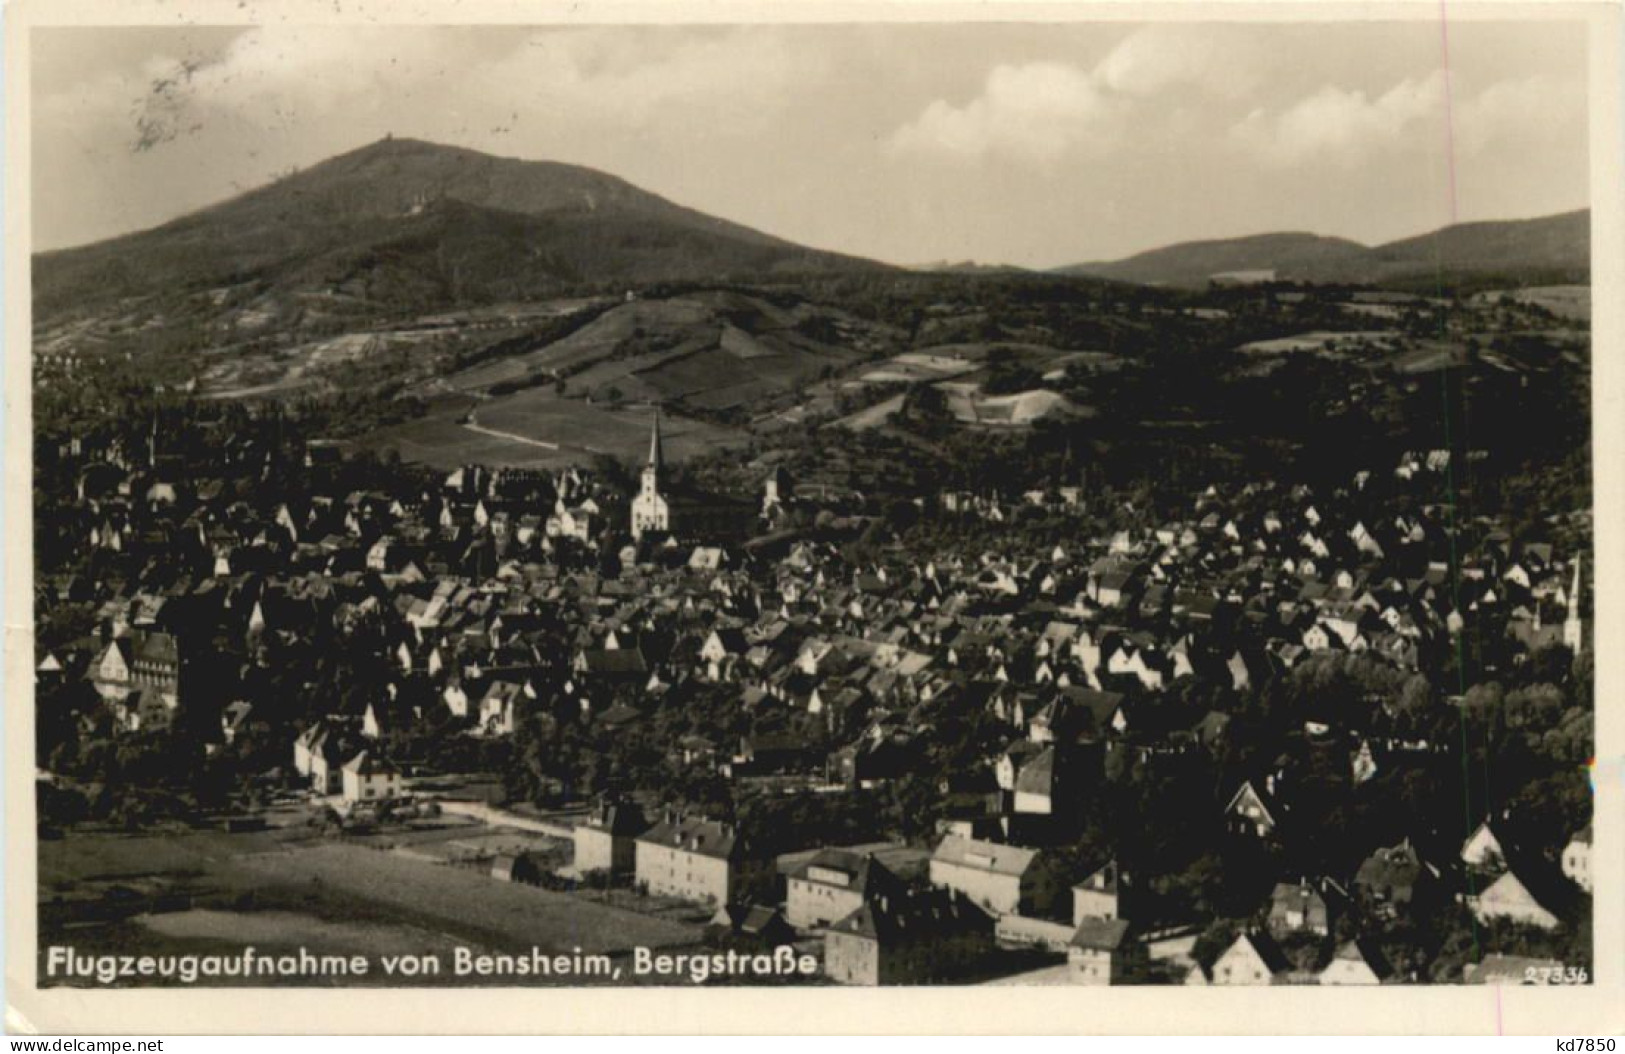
<point>1072,505</point>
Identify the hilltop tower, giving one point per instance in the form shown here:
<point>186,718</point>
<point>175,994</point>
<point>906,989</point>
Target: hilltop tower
<point>1573,634</point>
<point>650,511</point>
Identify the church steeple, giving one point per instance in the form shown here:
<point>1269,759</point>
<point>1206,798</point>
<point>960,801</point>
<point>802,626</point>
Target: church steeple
<point>656,457</point>
<point>649,510</point>
<point>1572,629</point>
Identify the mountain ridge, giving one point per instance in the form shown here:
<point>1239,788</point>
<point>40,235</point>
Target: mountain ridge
<point>1555,244</point>
<point>535,228</point>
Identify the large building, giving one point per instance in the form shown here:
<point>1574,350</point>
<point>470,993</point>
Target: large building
<point>659,508</point>
<point>997,877</point>
<point>692,858</point>
<point>139,676</point>
<point>908,938</point>
<point>834,884</point>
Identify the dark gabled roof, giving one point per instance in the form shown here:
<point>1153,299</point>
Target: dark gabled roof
<point>156,647</point>
<point>618,818</point>
<point>732,639</point>
<point>1103,879</point>
<point>866,875</point>
<point>1100,934</point>
<point>915,915</point>
<point>985,856</point>
<point>1392,866</point>
<point>1265,800</point>
<point>616,661</point>
<point>761,920</point>
<point>696,834</point>
<point>1289,895</point>
<point>1038,775</point>
<point>369,763</point>
<point>620,714</point>
<point>1096,708</point>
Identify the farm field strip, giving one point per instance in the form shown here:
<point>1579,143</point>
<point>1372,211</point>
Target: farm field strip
<point>471,900</point>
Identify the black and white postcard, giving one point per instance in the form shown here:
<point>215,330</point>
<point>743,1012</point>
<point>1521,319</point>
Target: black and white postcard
<point>548,514</point>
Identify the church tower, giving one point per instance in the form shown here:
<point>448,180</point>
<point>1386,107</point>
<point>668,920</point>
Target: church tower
<point>1572,629</point>
<point>649,510</point>
<point>651,471</point>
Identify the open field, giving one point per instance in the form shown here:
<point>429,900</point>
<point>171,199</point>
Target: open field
<point>96,858</point>
<point>576,425</point>
<point>918,366</point>
<point>1014,410</point>
<point>470,903</point>
<point>600,338</point>
<point>1318,340</point>
<point>485,845</point>
<point>873,416</point>
<point>538,428</point>
<point>279,893</point>
<point>713,350</point>
<point>292,929</point>
<point>1565,301</point>
<point>440,442</point>
<point>1430,356</point>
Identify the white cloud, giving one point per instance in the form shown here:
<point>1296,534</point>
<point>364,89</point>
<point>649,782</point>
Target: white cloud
<point>1159,58</point>
<point>1039,111</point>
<point>1525,113</point>
<point>1036,112</point>
<point>1341,125</point>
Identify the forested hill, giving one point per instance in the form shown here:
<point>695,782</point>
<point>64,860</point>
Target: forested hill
<point>1550,249</point>
<point>403,223</point>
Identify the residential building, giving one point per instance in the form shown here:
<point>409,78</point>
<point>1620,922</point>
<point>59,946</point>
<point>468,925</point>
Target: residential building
<point>834,884</point>
<point>918,936</point>
<point>1357,962</point>
<point>1252,959</point>
<point>370,777</point>
<point>691,858</point>
<point>1098,951</point>
<point>1508,898</point>
<point>606,839</point>
<point>995,876</point>
<point>1100,895</point>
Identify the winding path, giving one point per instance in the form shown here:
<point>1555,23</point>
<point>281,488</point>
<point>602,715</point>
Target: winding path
<point>473,425</point>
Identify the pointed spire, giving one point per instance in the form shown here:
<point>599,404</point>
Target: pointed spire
<point>656,460</point>
<point>1573,628</point>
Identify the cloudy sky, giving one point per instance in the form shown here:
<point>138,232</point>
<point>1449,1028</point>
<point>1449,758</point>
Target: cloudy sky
<point>1036,145</point>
